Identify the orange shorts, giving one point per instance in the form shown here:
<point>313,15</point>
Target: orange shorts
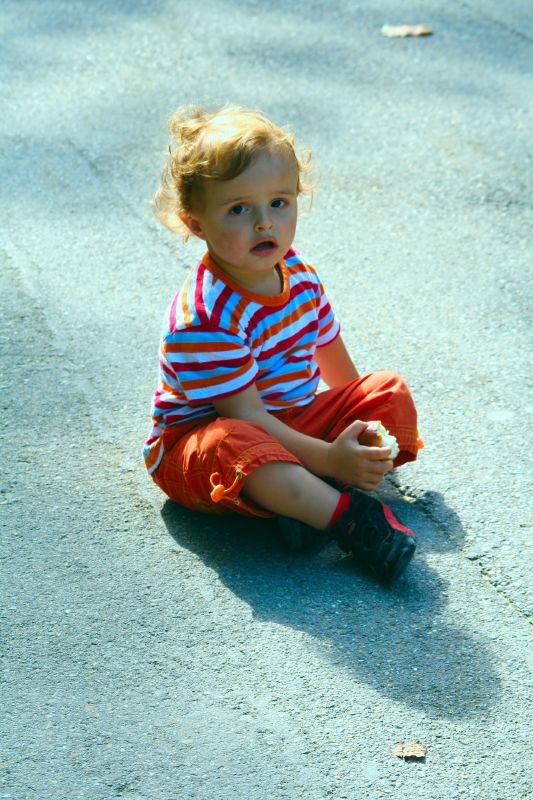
<point>233,448</point>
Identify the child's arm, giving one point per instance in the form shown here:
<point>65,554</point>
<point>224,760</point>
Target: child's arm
<point>336,366</point>
<point>344,459</point>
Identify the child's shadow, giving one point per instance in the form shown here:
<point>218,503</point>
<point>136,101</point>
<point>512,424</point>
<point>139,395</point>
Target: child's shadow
<point>398,639</point>
<point>432,506</point>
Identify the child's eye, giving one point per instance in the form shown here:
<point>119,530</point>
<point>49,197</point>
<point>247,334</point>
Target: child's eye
<point>278,203</point>
<point>238,209</point>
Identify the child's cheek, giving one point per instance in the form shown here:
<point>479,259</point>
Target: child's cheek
<point>231,236</point>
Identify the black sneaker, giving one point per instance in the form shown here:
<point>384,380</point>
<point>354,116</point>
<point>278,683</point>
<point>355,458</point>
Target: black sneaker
<point>370,531</point>
<point>299,537</point>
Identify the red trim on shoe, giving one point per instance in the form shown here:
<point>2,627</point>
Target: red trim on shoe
<point>395,523</point>
<point>342,505</point>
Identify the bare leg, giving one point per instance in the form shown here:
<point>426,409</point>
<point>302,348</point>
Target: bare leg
<point>289,489</point>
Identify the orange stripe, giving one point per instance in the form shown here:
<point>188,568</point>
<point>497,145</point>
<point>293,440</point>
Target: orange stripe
<point>237,314</point>
<point>198,384</point>
<point>184,304</point>
<point>153,453</point>
<point>173,391</point>
<point>328,327</point>
<point>301,267</point>
<point>289,378</point>
<point>279,326</point>
<point>200,347</point>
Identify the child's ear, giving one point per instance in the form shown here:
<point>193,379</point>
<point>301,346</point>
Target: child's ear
<point>193,224</point>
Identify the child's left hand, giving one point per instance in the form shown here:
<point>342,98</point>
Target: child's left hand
<point>358,464</point>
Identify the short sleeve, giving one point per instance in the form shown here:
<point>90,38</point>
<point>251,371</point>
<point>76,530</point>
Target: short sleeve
<point>328,325</point>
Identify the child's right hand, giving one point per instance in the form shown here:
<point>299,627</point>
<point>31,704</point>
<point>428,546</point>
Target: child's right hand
<point>357,464</point>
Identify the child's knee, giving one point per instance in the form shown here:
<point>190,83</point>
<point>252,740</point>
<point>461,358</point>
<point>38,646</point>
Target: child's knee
<point>397,402</point>
<point>390,381</point>
<point>393,383</point>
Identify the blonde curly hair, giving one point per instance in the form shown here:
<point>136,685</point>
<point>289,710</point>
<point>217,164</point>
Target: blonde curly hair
<point>216,146</point>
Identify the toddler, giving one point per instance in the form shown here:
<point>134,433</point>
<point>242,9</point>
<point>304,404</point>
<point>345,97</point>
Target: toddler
<point>238,425</point>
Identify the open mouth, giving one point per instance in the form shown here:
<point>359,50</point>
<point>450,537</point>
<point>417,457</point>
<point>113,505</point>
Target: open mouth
<point>264,247</point>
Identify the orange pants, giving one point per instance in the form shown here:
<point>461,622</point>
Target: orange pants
<point>233,448</point>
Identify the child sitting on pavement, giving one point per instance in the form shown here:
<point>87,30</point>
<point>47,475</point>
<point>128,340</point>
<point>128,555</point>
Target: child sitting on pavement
<point>238,425</point>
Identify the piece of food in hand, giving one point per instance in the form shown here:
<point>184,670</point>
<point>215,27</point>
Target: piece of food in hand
<point>377,435</point>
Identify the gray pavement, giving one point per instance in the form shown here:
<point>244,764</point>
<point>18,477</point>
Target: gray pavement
<point>152,654</point>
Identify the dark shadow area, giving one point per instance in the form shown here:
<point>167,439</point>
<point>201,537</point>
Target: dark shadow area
<point>399,640</point>
<point>35,23</point>
<point>431,505</point>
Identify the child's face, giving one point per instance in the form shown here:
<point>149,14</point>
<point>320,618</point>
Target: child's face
<point>249,222</point>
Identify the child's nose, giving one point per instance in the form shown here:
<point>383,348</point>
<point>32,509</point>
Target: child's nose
<point>263,221</point>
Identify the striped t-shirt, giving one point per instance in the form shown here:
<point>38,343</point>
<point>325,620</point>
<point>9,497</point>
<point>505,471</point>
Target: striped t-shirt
<point>219,338</point>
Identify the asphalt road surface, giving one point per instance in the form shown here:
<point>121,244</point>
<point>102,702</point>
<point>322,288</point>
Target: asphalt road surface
<point>153,654</point>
